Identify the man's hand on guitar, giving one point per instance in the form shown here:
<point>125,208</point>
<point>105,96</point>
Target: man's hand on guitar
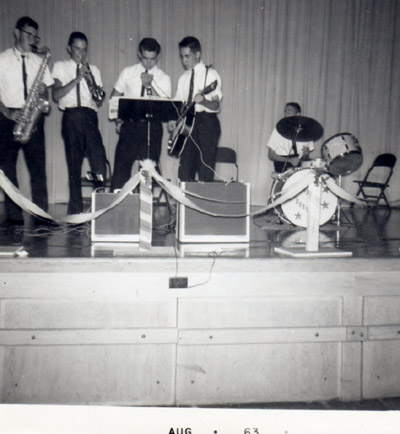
<point>199,98</point>
<point>118,125</point>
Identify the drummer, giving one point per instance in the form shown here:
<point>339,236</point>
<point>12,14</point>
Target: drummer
<point>286,153</point>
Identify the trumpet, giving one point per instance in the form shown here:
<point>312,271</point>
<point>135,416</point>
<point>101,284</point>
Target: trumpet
<point>97,92</point>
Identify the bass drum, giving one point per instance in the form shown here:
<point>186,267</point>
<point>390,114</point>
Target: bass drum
<point>342,154</point>
<point>295,210</point>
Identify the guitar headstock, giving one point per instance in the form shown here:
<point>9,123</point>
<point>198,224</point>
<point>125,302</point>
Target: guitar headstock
<point>212,86</point>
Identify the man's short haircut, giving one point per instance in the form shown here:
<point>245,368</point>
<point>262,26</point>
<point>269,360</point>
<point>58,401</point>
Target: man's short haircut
<point>192,43</point>
<point>295,105</point>
<point>76,35</point>
<point>149,44</point>
<point>26,21</point>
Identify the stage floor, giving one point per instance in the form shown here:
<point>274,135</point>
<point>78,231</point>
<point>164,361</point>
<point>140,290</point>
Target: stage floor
<point>363,232</point>
<point>334,317</point>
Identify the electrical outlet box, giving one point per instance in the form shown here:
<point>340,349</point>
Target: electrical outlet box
<point>178,282</point>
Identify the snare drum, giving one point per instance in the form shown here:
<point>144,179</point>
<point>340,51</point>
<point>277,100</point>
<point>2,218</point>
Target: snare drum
<point>318,164</point>
<point>295,210</point>
<point>342,153</point>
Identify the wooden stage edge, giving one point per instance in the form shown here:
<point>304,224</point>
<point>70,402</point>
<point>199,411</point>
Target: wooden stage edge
<point>111,331</point>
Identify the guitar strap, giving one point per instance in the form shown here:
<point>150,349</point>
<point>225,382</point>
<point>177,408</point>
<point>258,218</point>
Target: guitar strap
<point>205,78</point>
<point>205,83</point>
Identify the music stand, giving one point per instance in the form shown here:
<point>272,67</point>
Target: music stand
<point>158,109</point>
<point>149,110</point>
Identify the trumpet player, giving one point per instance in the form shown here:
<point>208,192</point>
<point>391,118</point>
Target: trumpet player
<point>78,91</point>
<point>19,68</point>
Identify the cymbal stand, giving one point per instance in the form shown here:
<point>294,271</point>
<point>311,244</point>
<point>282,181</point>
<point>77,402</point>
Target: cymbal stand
<point>339,213</point>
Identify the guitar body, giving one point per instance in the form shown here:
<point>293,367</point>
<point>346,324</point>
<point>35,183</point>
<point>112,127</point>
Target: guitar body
<point>184,126</point>
<point>180,134</point>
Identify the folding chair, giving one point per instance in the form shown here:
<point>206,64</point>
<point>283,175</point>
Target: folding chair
<point>227,155</point>
<point>385,161</point>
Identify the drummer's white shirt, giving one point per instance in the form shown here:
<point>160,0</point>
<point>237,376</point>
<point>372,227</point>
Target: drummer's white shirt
<point>283,146</point>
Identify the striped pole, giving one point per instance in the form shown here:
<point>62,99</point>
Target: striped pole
<point>146,211</point>
<point>314,210</point>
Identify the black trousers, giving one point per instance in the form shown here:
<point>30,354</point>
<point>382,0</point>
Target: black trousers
<point>133,144</point>
<point>34,153</point>
<point>195,159</point>
<point>82,139</point>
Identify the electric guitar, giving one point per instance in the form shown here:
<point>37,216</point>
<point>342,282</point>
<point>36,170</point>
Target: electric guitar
<point>184,126</point>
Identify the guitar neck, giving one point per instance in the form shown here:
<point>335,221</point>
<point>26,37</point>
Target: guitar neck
<point>186,110</point>
<point>205,91</point>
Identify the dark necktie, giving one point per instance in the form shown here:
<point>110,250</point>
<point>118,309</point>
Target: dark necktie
<point>191,88</point>
<point>78,88</point>
<point>24,77</point>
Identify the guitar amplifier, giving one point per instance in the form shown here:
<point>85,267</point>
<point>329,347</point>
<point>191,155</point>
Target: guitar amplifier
<point>121,223</point>
<point>228,200</point>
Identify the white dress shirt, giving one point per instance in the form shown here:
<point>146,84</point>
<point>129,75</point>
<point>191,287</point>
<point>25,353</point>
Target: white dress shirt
<point>284,147</point>
<point>11,81</point>
<point>129,82</point>
<point>65,72</point>
<point>202,78</point>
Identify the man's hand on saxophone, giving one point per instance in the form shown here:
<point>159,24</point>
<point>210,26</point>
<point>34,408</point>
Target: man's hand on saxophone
<point>14,115</point>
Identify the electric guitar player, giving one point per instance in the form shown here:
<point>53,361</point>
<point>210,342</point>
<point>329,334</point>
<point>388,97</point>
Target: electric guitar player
<point>179,135</point>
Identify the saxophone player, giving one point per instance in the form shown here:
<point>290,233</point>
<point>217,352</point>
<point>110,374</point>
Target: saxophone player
<point>19,67</point>
<point>77,90</point>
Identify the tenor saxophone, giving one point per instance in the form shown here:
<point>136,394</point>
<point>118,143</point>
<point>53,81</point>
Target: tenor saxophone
<point>34,105</point>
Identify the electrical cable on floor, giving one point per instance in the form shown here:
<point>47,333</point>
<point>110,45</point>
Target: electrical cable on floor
<point>214,255</point>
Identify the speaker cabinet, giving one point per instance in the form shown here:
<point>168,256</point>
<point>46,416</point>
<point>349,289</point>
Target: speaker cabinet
<point>121,223</point>
<point>228,200</point>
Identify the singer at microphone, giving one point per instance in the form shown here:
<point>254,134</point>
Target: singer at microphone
<point>139,139</point>
<point>147,86</point>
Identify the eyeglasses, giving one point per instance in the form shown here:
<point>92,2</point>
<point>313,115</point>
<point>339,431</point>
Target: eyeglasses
<point>31,35</point>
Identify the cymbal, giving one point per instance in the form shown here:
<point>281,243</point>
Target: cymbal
<point>299,128</point>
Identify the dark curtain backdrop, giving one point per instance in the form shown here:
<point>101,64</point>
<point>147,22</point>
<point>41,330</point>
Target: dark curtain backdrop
<point>337,58</point>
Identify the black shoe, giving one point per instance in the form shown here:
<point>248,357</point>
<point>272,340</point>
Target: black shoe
<point>38,222</point>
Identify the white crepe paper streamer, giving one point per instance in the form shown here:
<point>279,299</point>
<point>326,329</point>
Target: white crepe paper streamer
<point>15,194</point>
<point>27,205</point>
<point>343,194</point>
<point>179,195</point>
<point>176,192</point>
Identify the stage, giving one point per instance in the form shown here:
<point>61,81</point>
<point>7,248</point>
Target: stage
<point>98,323</point>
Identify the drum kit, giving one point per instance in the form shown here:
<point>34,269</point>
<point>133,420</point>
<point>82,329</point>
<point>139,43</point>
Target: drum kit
<point>340,155</point>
